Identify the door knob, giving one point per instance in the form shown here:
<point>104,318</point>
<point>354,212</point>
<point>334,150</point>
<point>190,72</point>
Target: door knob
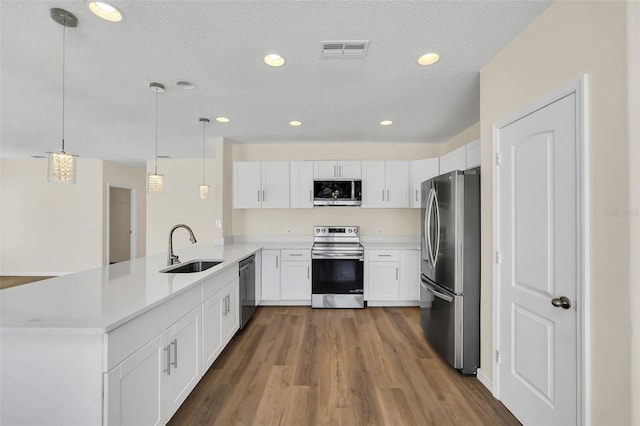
<point>561,302</point>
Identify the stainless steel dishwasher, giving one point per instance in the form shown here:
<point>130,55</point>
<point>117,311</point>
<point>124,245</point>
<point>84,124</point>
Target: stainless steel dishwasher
<point>247,289</point>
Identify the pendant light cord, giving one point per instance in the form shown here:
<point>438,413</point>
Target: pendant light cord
<point>64,31</point>
<point>204,123</point>
<point>156,169</point>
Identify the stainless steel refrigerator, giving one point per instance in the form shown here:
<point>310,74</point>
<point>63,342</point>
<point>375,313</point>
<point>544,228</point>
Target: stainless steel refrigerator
<point>450,267</point>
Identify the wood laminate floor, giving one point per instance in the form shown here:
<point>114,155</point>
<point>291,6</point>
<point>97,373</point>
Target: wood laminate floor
<point>302,366</point>
<point>7,281</point>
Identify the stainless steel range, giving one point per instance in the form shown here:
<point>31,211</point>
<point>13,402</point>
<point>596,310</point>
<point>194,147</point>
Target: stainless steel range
<point>337,264</point>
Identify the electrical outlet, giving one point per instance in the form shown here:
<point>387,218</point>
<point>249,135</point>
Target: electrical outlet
<point>379,230</point>
<point>288,230</point>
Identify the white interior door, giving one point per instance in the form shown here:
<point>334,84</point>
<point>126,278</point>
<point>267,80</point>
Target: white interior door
<point>537,234</point>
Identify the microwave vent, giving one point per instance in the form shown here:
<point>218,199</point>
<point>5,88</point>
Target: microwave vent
<point>344,49</point>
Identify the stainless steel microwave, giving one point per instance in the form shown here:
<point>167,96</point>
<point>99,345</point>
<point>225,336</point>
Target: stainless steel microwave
<point>337,192</point>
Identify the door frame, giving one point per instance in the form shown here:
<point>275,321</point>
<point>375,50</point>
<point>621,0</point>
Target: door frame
<point>578,87</point>
<point>133,222</point>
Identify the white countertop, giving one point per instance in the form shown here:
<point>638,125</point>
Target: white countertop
<point>99,300</point>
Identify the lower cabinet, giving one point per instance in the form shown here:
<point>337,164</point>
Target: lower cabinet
<point>286,277</point>
<point>393,277</point>
<point>220,321</point>
<point>149,386</point>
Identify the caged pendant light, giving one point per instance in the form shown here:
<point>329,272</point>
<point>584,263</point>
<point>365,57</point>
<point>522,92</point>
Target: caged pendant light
<point>62,165</point>
<point>204,188</point>
<point>156,181</point>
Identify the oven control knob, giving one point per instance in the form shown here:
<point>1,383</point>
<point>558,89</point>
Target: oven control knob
<point>355,231</point>
<point>350,230</point>
<point>324,230</point>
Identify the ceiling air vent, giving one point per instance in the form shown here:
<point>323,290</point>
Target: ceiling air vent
<point>344,49</point>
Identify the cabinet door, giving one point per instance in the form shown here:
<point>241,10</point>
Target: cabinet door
<point>295,281</point>
<point>397,179</point>
<point>133,389</point>
<point>421,170</point>
<point>374,191</point>
<point>409,275</point>
<point>246,185</point>
<point>349,169</point>
<point>275,184</point>
<point>325,169</point>
<point>301,184</point>
<point>231,312</point>
<point>473,154</point>
<point>212,344</point>
<point>383,281</point>
<point>182,345</point>
<point>270,274</point>
<point>454,160</point>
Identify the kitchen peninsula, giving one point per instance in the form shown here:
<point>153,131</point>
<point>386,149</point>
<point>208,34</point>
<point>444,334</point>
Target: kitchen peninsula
<point>122,340</point>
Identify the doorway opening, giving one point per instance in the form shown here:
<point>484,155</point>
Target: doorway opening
<point>121,224</point>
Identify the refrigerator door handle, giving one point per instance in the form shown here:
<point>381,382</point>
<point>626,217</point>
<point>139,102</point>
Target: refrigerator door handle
<point>438,294</point>
<point>428,226</point>
<point>437,250</point>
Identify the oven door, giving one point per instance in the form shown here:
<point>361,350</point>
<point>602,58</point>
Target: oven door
<point>337,282</point>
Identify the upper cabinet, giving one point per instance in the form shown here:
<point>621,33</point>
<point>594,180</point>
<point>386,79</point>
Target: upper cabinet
<point>473,154</point>
<point>421,170</point>
<point>385,184</point>
<point>454,160</point>
<point>301,184</point>
<point>337,169</point>
<point>260,184</point>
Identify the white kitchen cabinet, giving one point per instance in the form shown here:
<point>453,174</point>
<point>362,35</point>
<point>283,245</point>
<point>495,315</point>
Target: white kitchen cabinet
<point>134,389</point>
<point>409,289</point>
<point>295,276</point>
<point>270,275</point>
<point>260,184</point>
<point>337,169</point>
<point>182,360</point>
<point>150,385</point>
<point>473,154</point>
<point>212,344</point>
<point>385,184</point>
<point>301,184</point>
<point>384,275</point>
<point>454,160</point>
<point>231,312</point>
<point>421,170</point>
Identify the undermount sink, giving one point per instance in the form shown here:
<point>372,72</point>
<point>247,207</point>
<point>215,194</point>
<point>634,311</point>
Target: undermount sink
<point>192,266</point>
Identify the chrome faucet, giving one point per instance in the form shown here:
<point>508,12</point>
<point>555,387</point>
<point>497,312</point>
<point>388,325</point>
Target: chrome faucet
<point>172,259</point>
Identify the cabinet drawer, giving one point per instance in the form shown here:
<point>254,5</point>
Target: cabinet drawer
<point>129,337</point>
<point>384,255</point>
<point>214,284</point>
<point>296,254</point>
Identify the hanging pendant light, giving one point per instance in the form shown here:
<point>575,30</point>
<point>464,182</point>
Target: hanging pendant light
<point>204,188</point>
<point>62,165</point>
<point>156,181</point>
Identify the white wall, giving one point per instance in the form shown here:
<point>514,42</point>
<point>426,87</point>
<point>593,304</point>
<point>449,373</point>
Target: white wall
<point>48,228</point>
<point>397,222</point>
<point>567,40</point>
<point>181,203</point>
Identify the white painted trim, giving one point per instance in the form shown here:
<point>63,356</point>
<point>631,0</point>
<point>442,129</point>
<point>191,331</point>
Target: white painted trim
<point>578,86</point>
<point>484,379</point>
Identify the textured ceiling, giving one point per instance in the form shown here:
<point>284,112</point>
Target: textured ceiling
<point>219,45</point>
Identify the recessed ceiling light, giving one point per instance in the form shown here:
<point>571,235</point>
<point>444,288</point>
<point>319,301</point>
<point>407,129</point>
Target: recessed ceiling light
<point>106,11</point>
<point>184,84</point>
<point>295,123</point>
<point>428,59</point>
<point>222,119</point>
<point>386,123</point>
<point>274,60</point>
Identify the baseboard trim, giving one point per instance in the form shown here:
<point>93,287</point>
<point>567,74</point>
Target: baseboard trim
<point>485,380</point>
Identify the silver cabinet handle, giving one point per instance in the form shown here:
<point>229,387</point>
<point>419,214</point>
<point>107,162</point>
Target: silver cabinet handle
<point>383,195</point>
<point>295,254</point>
<point>416,195</point>
<point>175,353</point>
<point>340,171</point>
<point>258,195</point>
<point>167,370</point>
<point>276,261</point>
<point>263,197</point>
<point>396,274</point>
<point>384,255</point>
<point>308,271</point>
<point>387,195</point>
<point>335,172</point>
<point>310,198</point>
